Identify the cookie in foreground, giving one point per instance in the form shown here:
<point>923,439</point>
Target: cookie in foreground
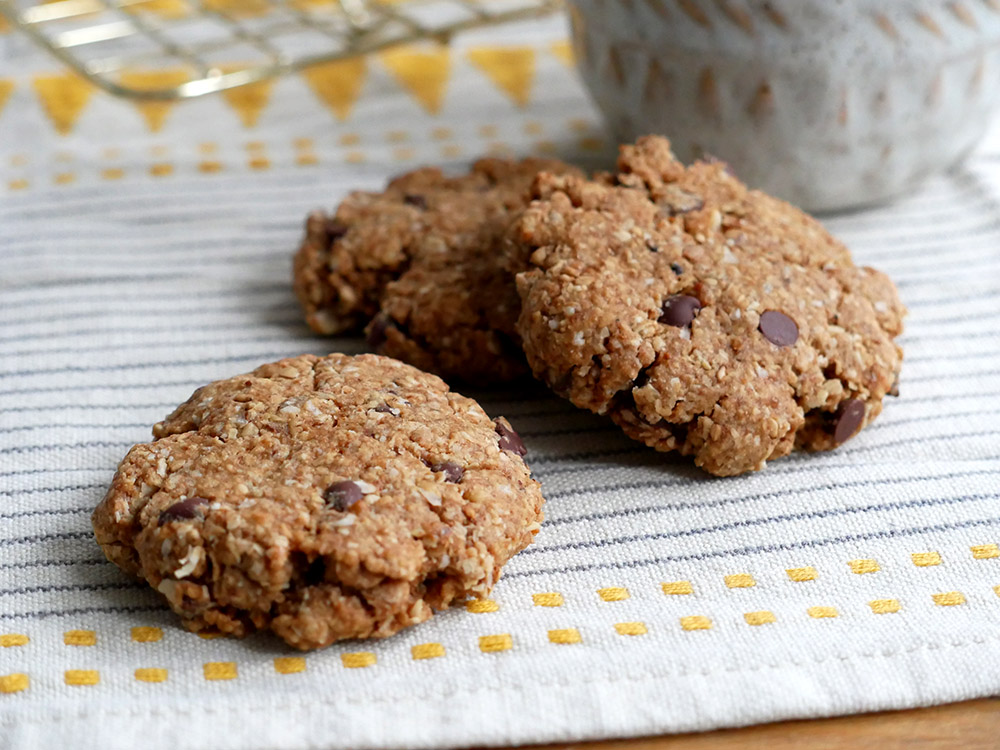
<point>418,265</point>
<point>321,498</point>
<point>701,316</point>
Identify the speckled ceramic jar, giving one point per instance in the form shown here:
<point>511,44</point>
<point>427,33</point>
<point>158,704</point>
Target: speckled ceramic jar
<point>831,104</point>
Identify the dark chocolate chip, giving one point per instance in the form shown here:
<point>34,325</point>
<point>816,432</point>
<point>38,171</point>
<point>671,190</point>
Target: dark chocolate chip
<point>778,328</point>
<point>342,495</point>
<point>653,247</point>
<point>417,201</point>
<point>376,330</point>
<point>335,230</point>
<point>182,511</point>
<point>384,409</point>
<point>315,574</point>
<point>509,440</point>
<point>676,268</point>
<point>894,388</point>
<point>452,471</point>
<point>679,310</point>
<point>850,414</point>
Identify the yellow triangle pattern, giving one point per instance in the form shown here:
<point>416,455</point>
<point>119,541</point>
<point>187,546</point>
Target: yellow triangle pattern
<point>6,86</point>
<point>154,112</point>
<point>424,73</point>
<point>337,84</point>
<point>249,101</point>
<point>512,69</point>
<point>164,8</point>
<point>563,52</point>
<point>63,98</point>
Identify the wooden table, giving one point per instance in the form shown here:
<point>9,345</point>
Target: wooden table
<point>972,725</point>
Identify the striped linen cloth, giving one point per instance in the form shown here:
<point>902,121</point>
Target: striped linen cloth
<point>138,262</point>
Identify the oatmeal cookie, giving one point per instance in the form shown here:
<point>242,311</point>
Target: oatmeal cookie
<point>323,499</point>
<point>418,265</point>
<point>703,317</point>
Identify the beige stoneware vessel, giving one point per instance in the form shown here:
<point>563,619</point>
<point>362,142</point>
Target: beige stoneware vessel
<point>831,104</point>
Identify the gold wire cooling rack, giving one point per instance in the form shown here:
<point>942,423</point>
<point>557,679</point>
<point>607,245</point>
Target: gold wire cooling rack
<point>222,44</point>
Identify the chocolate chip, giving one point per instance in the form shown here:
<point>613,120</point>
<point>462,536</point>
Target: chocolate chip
<point>417,201</point>
<point>384,409</point>
<point>335,230</point>
<point>894,388</point>
<point>376,330</point>
<point>342,495</point>
<point>182,511</point>
<point>676,268</point>
<point>679,310</point>
<point>850,414</point>
<point>653,247</point>
<point>452,471</point>
<point>509,440</point>
<point>778,328</point>
<point>315,573</point>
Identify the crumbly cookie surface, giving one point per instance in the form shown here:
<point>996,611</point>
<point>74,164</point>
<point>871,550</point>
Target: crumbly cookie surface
<point>703,317</point>
<point>322,498</point>
<point>419,266</point>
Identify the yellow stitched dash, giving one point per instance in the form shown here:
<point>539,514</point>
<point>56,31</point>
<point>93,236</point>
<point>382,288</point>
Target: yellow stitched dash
<point>480,606</point>
<point>354,157</point>
<point>161,169</point>
<point>427,651</point>
<point>677,588</point>
<point>949,599</point>
<point>759,618</point>
<point>397,136</point>
<point>307,159</point>
<point>358,659</point>
<point>696,622</point>
<point>550,599</point>
<point>631,628</point>
<point>113,173</point>
<point>488,131</point>
<point>985,551</point>
<point>996,590</point>
<point>209,167</point>
<point>64,178</point>
<point>863,566</point>
<point>821,612</point>
<point>451,150</point>
<point>79,677</point>
<point>17,184</point>
<point>350,139</point>
<point>259,162</point>
<point>146,635</point>
<point>13,639</point>
<point>590,143</point>
<point>219,670</point>
<point>566,635</point>
<point>403,153</point>
<point>802,574</point>
<point>289,664</point>
<point>613,594</point>
<point>151,674</point>
<point>13,683</point>
<point>303,143</point>
<point>740,581</point>
<point>254,146</point>
<point>80,638</point>
<point>884,606</point>
<point>441,134</point>
<point>533,127</point>
<point>925,559</point>
<point>489,644</point>
<point>208,148</point>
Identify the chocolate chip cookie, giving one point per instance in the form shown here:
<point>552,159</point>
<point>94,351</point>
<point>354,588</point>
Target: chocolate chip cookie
<point>323,499</point>
<point>419,266</point>
<point>703,317</point>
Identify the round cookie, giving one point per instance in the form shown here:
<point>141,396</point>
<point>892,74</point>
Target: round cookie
<point>422,260</point>
<point>701,316</point>
<point>323,499</point>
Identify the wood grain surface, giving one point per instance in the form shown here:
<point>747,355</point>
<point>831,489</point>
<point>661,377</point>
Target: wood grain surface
<point>972,725</point>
